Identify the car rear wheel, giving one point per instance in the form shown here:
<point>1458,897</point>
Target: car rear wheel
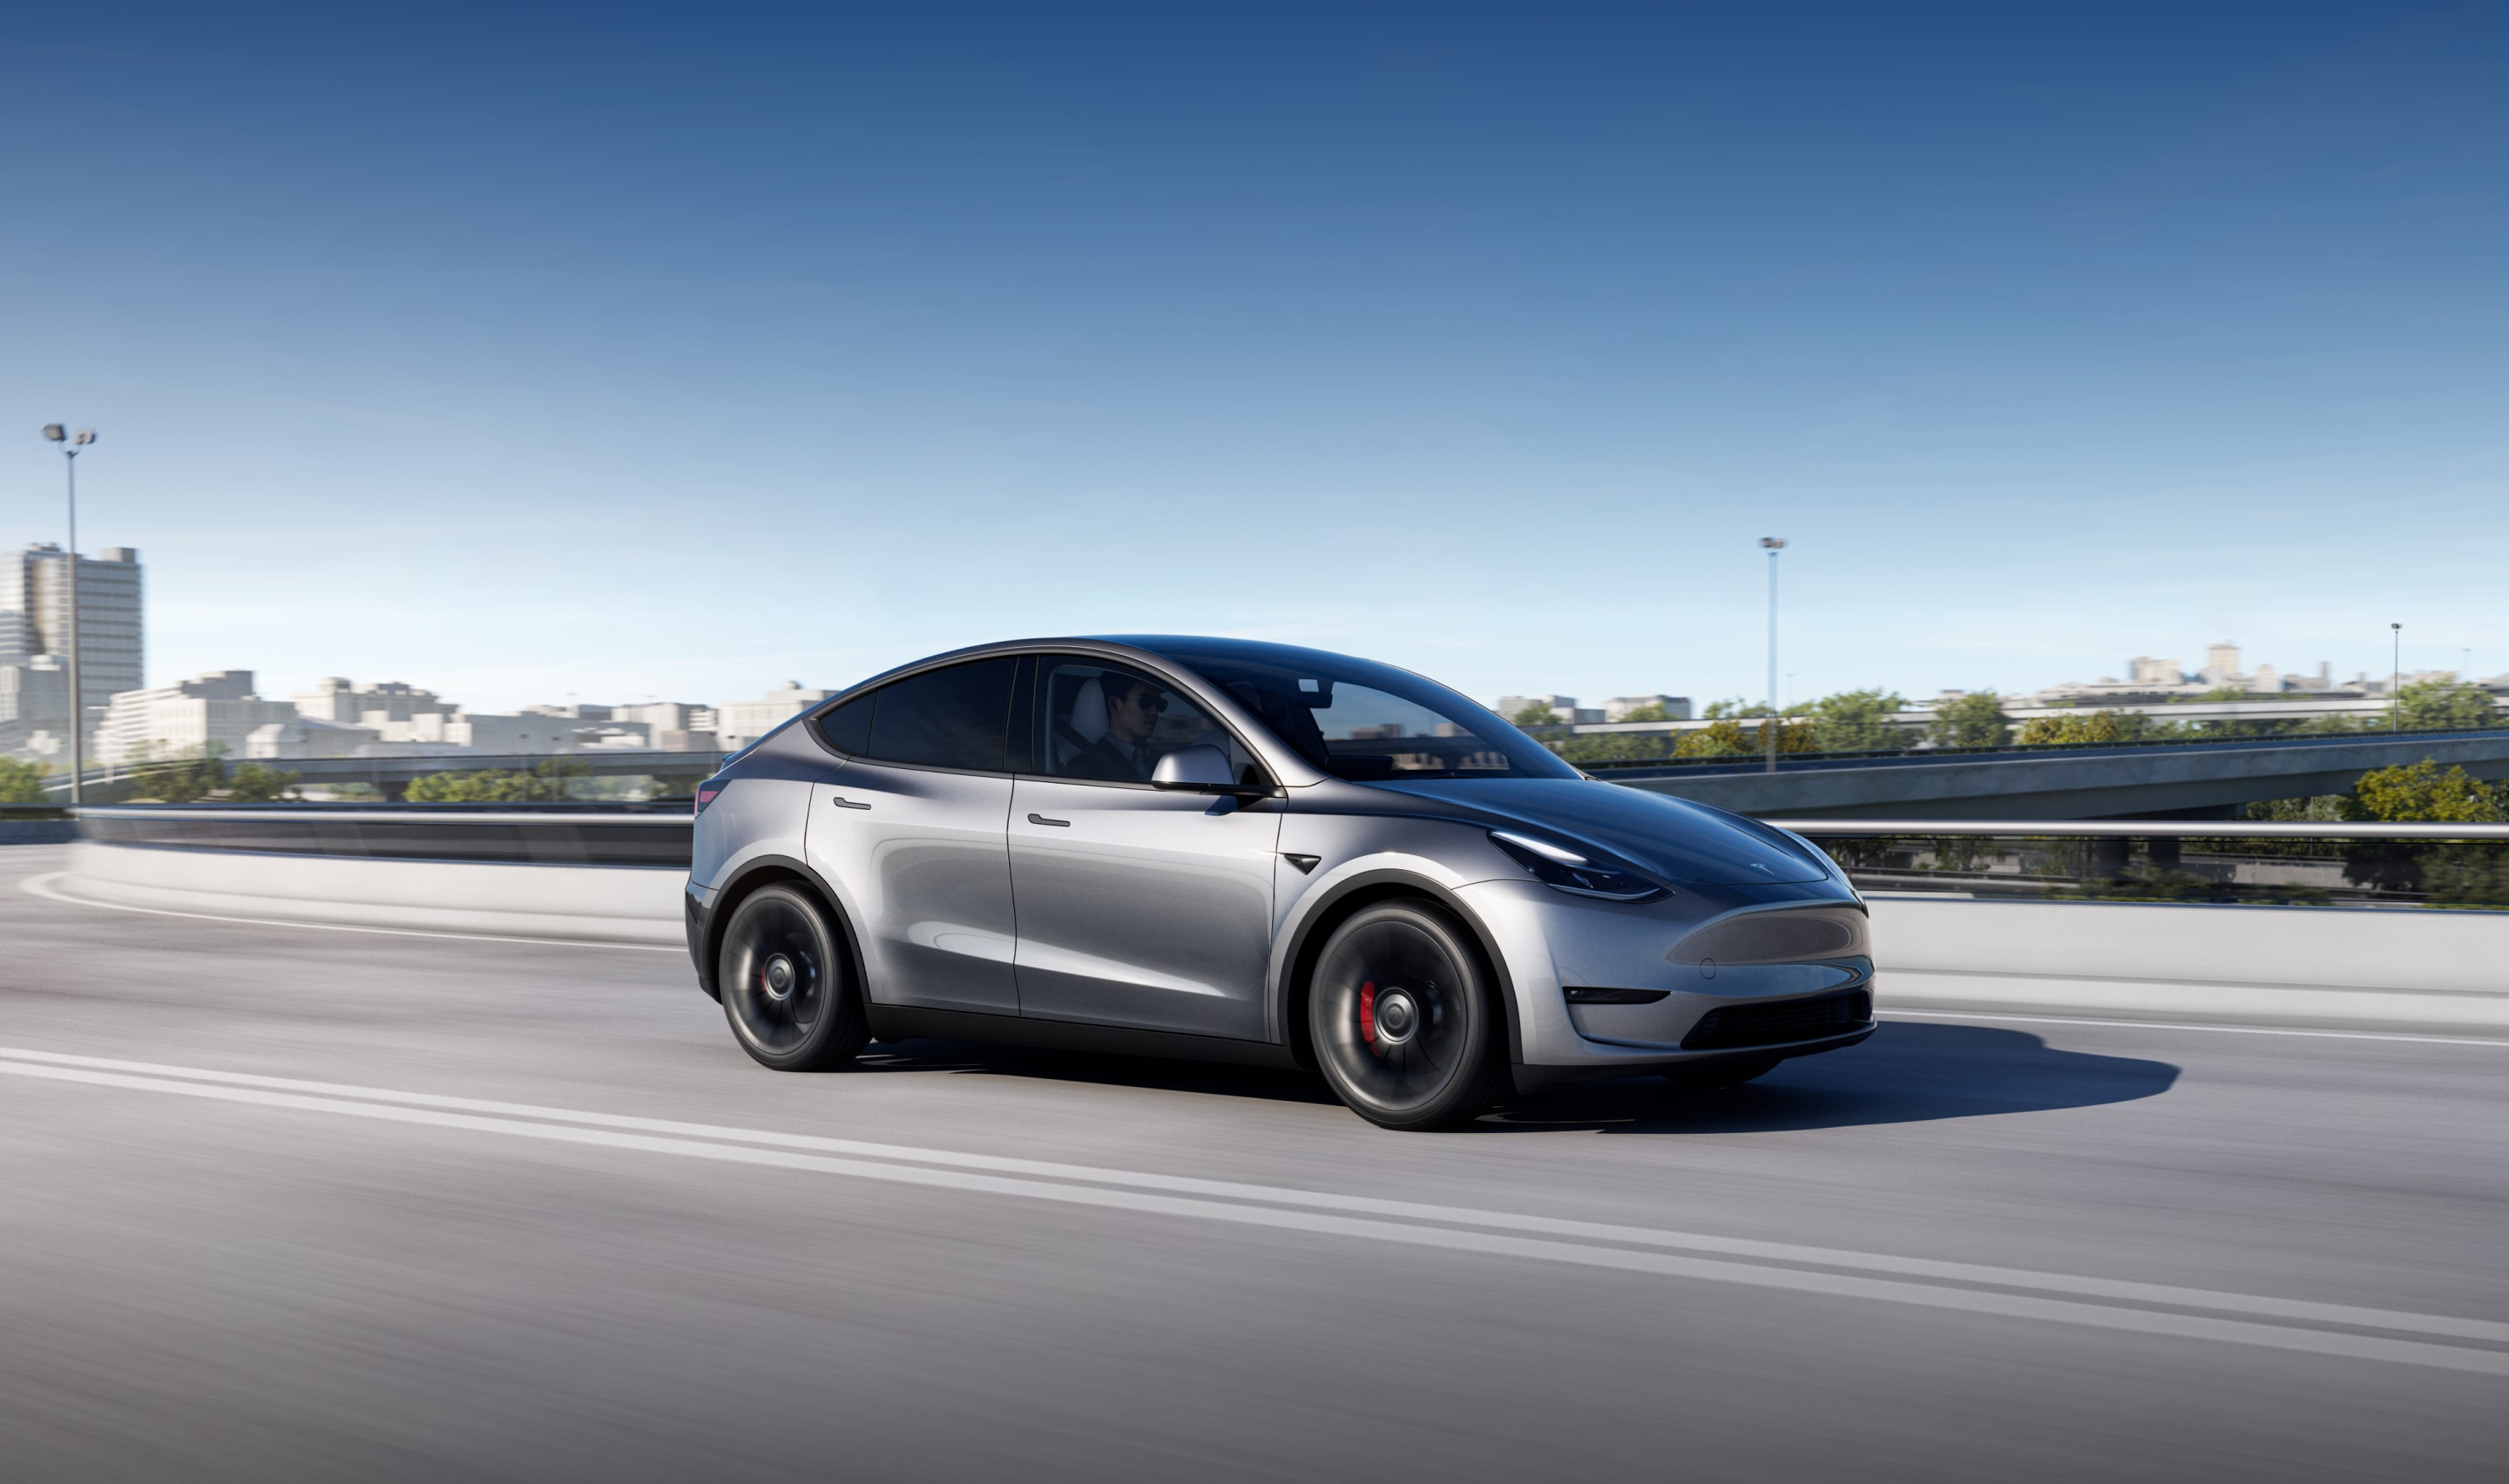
<point>1404,1019</point>
<point>788,988</point>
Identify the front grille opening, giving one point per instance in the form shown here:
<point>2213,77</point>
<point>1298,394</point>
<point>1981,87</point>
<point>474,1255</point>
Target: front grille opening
<point>1791,936</point>
<point>1782,1024</point>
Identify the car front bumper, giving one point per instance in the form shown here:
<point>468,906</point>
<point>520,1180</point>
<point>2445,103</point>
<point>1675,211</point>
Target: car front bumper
<point>1551,940</point>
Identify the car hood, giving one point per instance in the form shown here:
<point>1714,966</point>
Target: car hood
<point>1671,837</point>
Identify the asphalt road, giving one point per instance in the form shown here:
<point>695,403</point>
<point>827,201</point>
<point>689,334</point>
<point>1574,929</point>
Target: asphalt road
<point>546,1222</point>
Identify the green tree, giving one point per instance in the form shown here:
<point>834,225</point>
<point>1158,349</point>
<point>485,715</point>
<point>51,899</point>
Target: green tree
<point>180,777</point>
<point>1536,715</point>
<point>2315,809</point>
<point>2089,726</point>
<point>1613,747</point>
<point>1730,738</point>
<point>2437,705</point>
<point>21,782</point>
<point>2422,792</point>
<point>1721,738</point>
<point>487,785</point>
<point>1855,721</point>
<point>2447,874</point>
<point>1976,720</point>
<point>2092,726</point>
<point>253,783</point>
<point>1653,710</point>
<point>543,783</point>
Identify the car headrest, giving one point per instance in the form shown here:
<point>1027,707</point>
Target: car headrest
<point>1089,711</point>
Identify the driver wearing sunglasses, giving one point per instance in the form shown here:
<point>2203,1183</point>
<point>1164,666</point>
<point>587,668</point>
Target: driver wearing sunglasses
<point>1123,754</point>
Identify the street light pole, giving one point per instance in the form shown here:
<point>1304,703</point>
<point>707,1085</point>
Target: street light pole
<point>1769,725</point>
<point>72,443</point>
<point>2396,680</point>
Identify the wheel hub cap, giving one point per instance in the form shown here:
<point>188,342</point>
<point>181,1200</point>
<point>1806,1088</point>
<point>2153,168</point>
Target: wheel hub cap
<point>779,976</point>
<point>1398,1016</point>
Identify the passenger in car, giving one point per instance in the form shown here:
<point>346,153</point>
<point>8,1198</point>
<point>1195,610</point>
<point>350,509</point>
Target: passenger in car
<point>1122,754</point>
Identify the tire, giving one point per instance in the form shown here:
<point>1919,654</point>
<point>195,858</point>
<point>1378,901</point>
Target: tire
<point>1404,1019</point>
<point>1708,1076</point>
<point>788,987</point>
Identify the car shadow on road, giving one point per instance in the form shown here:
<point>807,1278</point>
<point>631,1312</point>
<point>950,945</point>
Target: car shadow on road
<point>1910,1071</point>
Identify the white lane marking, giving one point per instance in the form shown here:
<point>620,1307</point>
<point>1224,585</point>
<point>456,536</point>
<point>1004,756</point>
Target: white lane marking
<point>431,1109</point>
<point>40,885</point>
<point>1914,1013</point>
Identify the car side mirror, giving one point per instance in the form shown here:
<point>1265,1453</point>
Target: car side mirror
<point>1201,768</point>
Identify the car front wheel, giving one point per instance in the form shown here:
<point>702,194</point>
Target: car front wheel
<point>1404,1020</point>
<point>788,988</point>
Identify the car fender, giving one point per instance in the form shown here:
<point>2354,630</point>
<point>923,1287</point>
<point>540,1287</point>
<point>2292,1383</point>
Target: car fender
<point>1300,929</point>
<point>705,932</point>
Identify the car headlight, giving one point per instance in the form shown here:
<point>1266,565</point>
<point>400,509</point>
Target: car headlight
<point>1556,865</point>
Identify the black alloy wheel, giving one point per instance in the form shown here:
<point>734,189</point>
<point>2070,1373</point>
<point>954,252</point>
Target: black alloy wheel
<point>1404,1020</point>
<point>787,986</point>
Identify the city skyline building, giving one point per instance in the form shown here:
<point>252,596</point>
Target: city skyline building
<point>338,718</point>
<point>335,699</point>
<point>35,707</point>
<point>215,713</point>
<point>742,722</point>
<point>112,637</point>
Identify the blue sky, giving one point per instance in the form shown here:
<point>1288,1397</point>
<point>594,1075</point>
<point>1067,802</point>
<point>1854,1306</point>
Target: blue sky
<point>619,352</point>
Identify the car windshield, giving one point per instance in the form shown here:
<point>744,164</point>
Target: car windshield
<point>1361,720</point>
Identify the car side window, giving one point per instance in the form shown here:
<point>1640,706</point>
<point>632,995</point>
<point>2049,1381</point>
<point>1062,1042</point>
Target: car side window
<point>847,727</point>
<point>1112,723</point>
<point>956,717</point>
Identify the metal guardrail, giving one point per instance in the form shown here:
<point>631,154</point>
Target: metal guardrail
<point>2155,829</point>
<point>2259,863</point>
<point>1904,757</point>
<point>542,834</point>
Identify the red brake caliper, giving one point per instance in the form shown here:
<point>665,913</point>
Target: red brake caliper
<point>1367,1017</point>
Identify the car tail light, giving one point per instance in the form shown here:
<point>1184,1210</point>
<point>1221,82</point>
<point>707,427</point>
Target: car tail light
<point>706,791</point>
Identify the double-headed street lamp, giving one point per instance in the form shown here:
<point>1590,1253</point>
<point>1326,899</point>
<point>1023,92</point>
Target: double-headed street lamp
<point>1768,728</point>
<point>72,443</point>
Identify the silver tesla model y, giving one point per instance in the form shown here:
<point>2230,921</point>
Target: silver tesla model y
<point>1219,848</point>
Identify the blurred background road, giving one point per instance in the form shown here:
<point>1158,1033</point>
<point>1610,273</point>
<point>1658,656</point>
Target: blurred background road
<point>208,1271</point>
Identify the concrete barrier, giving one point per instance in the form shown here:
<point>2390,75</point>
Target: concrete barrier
<point>588,904</point>
<point>2403,967</point>
<point>37,832</point>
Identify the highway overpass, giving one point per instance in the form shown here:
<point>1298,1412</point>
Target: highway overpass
<point>2175,779</point>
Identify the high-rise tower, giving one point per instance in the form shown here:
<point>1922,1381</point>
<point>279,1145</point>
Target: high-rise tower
<point>111,638</point>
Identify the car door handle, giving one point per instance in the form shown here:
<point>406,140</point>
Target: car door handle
<point>1039,819</point>
<point>845,803</point>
